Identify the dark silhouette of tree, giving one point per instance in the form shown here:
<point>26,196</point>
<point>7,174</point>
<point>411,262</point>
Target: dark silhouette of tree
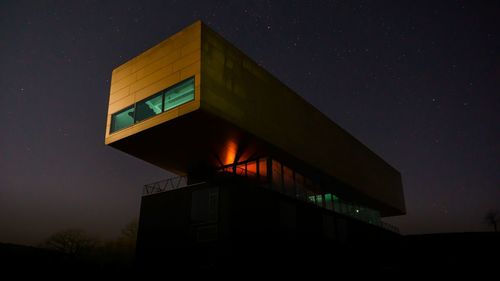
<point>71,241</point>
<point>128,238</point>
<point>129,231</point>
<point>122,249</point>
<point>492,217</point>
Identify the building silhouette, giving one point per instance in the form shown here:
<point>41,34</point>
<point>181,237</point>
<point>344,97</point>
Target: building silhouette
<point>264,179</point>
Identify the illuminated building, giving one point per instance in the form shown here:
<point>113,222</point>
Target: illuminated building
<point>254,160</point>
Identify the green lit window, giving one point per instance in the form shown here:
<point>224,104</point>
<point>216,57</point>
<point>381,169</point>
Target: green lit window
<point>148,107</point>
<point>122,119</point>
<point>179,94</point>
<point>319,200</point>
<point>328,201</point>
<point>165,100</point>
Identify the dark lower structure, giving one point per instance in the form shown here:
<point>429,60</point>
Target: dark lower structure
<point>240,220</point>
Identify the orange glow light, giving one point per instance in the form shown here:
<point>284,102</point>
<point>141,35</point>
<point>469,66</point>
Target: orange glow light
<point>252,169</point>
<point>231,149</point>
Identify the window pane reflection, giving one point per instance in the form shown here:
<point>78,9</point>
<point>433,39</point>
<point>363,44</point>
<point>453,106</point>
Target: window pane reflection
<point>122,119</point>
<point>179,94</point>
<point>167,99</point>
<point>148,108</point>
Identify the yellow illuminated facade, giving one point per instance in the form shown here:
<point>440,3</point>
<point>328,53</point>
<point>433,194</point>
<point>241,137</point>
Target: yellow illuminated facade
<point>171,62</point>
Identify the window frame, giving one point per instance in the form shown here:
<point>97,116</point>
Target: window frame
<point>163,94</point>
<point>111,131</point>
<point>165,91</point>
<point>149,98</point>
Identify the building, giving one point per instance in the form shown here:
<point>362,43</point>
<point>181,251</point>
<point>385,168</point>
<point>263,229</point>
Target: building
<point>258,167</point>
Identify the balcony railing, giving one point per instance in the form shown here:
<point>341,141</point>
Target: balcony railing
<point>165,185</point>
<point>319,198</point>
<point>326,201</point>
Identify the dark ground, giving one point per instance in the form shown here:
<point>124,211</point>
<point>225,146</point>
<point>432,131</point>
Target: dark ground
<point>430,255</point>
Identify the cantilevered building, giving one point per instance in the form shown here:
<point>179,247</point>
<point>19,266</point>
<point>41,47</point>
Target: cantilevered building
<point>255,161</point>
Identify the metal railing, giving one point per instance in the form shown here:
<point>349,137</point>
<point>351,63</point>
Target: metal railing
<point>343,207</point>
<point>362,213</point>
<point>339,206</point>
<point>165,185</point>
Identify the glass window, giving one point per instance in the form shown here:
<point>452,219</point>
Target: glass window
<point>319,200</point>
<point>342,207</point>
<point>299,183</point>
<point>277,178</point>
<point>308,183</point>
<point>122,119</point>
<point>336,203</point>
<point>148,107</point>
<point>336,206</point>
<point>263,171</point>
<point>179,94</point>
<point>328,201</point>
<point>311,197</point>
<point>204,205</point>
<point>240,170</point>
<point>154,105</point>
<point>263,168</point>
<point>288,180</point>
<point>252,169</point>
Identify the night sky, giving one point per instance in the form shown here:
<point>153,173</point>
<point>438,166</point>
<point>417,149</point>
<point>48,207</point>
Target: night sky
<point>417,82</point>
